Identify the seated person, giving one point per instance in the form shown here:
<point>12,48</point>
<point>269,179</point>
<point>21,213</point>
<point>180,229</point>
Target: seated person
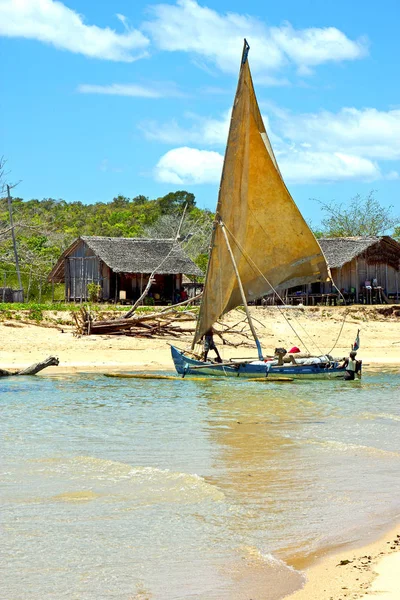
<point>183,294</point>
<point>280,353</point>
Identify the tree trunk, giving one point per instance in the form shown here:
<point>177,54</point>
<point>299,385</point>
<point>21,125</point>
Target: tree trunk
<point>33,369</point>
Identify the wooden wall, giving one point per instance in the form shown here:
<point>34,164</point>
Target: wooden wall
<point>81,267</point>
<point>355,273</point>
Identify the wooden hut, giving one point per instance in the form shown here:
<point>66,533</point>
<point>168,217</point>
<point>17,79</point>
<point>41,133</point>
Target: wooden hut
<point>364,269</point>
<point>121,268</point>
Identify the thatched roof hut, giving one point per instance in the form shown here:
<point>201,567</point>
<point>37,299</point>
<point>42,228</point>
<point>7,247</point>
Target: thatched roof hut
<point>122,264</point>
<point>364,267</point>
<point>374,249</point>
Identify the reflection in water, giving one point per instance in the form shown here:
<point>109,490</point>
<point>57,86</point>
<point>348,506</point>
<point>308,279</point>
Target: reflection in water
<point>175,489</point>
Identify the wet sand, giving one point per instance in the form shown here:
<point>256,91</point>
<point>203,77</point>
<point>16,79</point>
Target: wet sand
<point>371,571</point>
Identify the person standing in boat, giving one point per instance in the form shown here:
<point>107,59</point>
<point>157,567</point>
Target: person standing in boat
<point>351,365</point>
<point>209,344</point>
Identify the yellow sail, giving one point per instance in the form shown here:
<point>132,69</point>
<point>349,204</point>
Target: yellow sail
<point>272,245</point>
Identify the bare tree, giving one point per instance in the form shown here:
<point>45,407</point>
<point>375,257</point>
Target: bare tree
<point>195,231</point>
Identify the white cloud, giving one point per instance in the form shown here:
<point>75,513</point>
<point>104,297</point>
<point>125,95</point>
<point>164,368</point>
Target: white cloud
<point>193,166</point>
<point>316,167</point>
<point>54,23</point>
<point>367,132</point>
<point>131,89</point>
<point>216,37</point>
<point>189,166</point>
<point>313,46</point>
<point>309,148</point>
<point>200,130</point>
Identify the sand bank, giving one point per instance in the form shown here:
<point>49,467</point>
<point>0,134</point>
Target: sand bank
<point>318,329</point>
<point>370,572</point>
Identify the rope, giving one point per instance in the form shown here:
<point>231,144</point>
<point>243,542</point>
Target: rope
<point>344,318</point>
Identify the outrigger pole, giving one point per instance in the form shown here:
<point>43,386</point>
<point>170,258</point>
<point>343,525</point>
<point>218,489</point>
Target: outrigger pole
<point>246,308</point>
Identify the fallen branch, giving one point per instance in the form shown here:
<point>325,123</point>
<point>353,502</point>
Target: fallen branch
<point>51,361</point>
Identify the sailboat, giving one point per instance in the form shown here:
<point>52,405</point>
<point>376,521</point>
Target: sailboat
<point>260,242</point>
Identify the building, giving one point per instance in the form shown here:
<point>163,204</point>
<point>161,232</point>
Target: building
<point>358,263</point>
<point>121,267</point>
<point>364,269</point>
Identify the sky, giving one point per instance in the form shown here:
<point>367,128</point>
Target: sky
<point>108,97</point>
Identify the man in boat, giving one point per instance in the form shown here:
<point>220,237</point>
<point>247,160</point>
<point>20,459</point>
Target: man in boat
<point>351,365</point>
<point>280,354</point>
<point>209,344</point>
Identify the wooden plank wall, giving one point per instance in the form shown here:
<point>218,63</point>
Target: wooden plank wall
<point>357,272</point>
<point>81,268</point>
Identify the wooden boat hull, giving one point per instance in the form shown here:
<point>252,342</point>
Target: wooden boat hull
<point>185,365</point>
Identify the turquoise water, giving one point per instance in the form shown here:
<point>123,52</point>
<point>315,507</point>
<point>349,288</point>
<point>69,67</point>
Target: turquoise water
<point>179,489</point>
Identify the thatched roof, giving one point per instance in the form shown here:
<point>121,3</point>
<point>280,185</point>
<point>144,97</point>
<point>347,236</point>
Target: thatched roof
<point>339,251</point>
<point>133,255</point>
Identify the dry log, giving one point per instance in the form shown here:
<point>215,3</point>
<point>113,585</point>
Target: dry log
<point>33,369</point>
<point>169,322</point>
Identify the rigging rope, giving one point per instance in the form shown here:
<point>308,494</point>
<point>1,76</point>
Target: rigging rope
<point>254,266</point>
<point>344,318</point>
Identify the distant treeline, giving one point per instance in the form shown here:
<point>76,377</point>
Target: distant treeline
<point>45,228</point>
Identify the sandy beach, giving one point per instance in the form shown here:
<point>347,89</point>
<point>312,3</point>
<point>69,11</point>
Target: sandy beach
<point>370,571</point>
<point>22,344</point>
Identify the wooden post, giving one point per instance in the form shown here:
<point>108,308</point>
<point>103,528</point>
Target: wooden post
<point>357,286</point>
<point>5,283</point>
<point>13,237</point>
<point>81,279</point>
<point>29,284</point>
<point>246,308</point>
<point>386,279</point>
<point>52,290</point>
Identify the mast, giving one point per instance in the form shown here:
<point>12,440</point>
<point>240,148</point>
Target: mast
<point>246,308</point>
<point>255,211</point>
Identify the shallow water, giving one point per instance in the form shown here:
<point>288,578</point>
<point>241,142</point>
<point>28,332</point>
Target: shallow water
<point>177,489</point>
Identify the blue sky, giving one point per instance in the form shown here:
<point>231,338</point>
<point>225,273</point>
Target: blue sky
<point>105,98</point>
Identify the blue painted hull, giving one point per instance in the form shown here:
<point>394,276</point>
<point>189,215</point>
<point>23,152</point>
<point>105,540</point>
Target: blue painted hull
<point>185,365</point>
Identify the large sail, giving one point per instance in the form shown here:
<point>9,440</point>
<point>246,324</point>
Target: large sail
<point>271,242</point>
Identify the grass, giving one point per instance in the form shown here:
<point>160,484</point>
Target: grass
<point>33,311</point>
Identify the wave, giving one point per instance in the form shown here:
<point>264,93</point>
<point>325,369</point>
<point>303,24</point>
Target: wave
<point>374,416</point>
<point>344,447</point>
<point>121,481</point>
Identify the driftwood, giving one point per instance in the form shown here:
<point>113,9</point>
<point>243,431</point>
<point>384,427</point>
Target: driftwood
<point>170,322</point>
<point>51,361</point>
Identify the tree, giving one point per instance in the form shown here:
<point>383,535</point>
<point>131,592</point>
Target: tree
<point>362,216</point>
<point>176,201</point>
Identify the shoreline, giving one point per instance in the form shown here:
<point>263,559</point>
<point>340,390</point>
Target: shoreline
<point>154,368</point>
<point>369,570</point>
